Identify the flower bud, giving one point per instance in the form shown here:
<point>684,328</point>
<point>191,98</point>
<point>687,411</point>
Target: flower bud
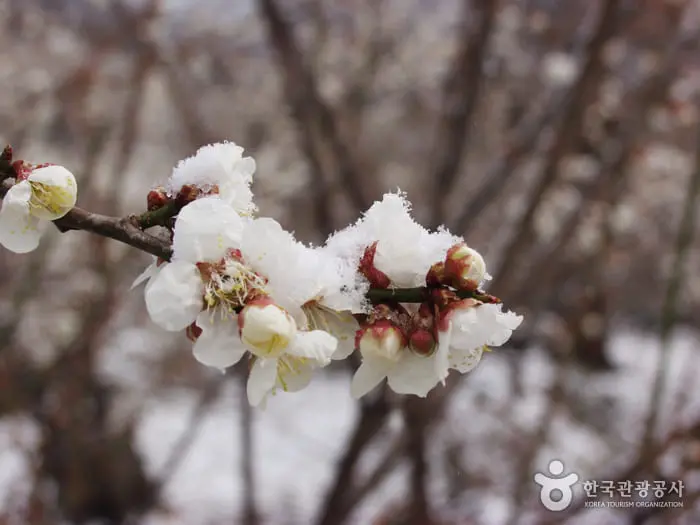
<point>156,199</point>
<point>6,155</point>
<point>22,169</point>
<point>53,192</point>
<point>436,275</point>
<point>465,267</point>
<point>422,342</point>
<point>266,328</point>
<point>376,278</point>
<point>193,332</point>
<point>382,339</point>
<point>443,297</point>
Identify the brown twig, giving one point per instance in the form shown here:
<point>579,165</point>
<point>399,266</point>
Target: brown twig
<point>686,232</point>
<point>128,230</point>
<point>528,132</point>
<point>460,94</point>
<point>566,133</point>
<point>319,132</point>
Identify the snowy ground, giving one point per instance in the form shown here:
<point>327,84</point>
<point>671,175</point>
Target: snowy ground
<point>298,438</point>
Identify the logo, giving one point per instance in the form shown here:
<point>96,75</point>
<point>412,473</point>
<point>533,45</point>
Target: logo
<point>561,487</point>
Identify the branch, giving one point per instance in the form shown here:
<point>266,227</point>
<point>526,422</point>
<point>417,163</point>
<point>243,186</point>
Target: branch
<point>567,131</point>
<point>529,131</point>
<point>128,230</point>
<point>686,232</point>
<point>460,95</point>
<point>419,295</point>
<point>319,131</point>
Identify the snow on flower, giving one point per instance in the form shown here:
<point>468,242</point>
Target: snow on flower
<point>46,194</point>
<point>318,288</point>
<point>405,250</point>
<point>218,279</point>
<point>407,343</point>
<point>221,169</point>
<point>205,230</point>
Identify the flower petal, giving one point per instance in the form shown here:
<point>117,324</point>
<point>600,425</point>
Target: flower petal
<point>174,296</point>
<point>19,230</point>
<point>205,230</point>
<point>218,345</point>
<point>262,379</point>
<point>317,345</point>
<point>413,375</point>
<point>219,167</point>
<point>148,273</point>
<point>293,373</point>
<point>442,355</point>
<point>54,192</point>
<point>370,373</point>
<point>465,360</point>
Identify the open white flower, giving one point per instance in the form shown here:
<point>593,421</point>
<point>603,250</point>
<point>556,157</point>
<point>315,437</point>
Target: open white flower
<point>47,194</point>
<point>461,340</point>
<point>465,332</point>
<point>219,168</point>
<point>204,232</point>
<point>285,357</point>
<point>385,354</point>
<point>316,287</point>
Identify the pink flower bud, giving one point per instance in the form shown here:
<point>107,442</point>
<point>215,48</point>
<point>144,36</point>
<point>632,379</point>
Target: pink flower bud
<point>6,155</point>
<point>436,275</point>
<point>193,332</point>
<point>422,342</point>
<point>382,339</point>
<point>156,199</point>
<point>465,267</point>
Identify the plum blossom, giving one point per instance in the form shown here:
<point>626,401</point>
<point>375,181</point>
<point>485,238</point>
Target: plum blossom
<point>217,279</point>
<point>205,230</point>
<point>462,335</point>
<point>319,289</point>
<point>467,329</point>
<point>405,250</point>
<point>391,250</point>
<point>285,356</point>
<point>221,169</point>
<point>46,194</point>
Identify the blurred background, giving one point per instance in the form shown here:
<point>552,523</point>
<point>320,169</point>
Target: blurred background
<point>559,137</point>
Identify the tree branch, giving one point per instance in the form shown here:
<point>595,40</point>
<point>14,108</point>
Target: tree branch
<point>128,230</point>
<point>460,95</point>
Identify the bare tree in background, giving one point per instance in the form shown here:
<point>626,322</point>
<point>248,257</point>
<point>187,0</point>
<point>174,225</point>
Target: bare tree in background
<point>532,127</point>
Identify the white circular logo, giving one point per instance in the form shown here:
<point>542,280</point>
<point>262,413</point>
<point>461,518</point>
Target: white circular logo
<point>561,486</point>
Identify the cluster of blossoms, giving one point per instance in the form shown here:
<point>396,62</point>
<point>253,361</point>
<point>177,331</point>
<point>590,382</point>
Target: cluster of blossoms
<point>243,286</point>
<point>407,299</point>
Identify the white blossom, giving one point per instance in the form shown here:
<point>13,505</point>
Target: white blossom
<point>405,249</point>
<point>285,356</point>
<point>204,231</point>
<point>464,334</point>
<point>219,168</point>
<point>47,194</point>
<point>315,286</point>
